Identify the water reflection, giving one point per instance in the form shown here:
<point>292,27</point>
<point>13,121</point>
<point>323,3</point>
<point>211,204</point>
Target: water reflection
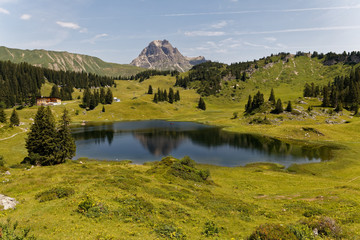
<point>149,140</point>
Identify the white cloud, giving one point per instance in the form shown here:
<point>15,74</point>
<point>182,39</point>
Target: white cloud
<point>25,17</point>
<point>256,45</point>
<point>3,10</point>
<point>220,24</point>
<point>68,25</point>
<point>348,7</point>
<point>97,37</point>
<point>204,34</point>
<point>315,29</point>
<point>270,39</point>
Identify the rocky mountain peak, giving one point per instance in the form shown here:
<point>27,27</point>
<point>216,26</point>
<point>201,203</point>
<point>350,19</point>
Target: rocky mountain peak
<point>161,55</point>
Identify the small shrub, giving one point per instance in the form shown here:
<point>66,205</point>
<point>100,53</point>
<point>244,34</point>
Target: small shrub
<point>210,229</point>
<point>302,231</point>
<point>168,231</point>
<point>325,227</point>
<point>9,231</point>
<point>2,161</point>
<point>92,209</point>
<point>259,120</point>
<point>272,231</point>
<point>55,193</point>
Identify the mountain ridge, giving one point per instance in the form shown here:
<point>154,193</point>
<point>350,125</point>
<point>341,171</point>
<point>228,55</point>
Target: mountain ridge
<point>161,55</point>
<point>62,60</point>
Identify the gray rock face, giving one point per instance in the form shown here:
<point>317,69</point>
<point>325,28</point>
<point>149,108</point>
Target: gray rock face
<point>161,55</point>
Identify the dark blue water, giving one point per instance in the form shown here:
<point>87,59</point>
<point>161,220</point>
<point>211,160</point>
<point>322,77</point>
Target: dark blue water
<point>144,141</point>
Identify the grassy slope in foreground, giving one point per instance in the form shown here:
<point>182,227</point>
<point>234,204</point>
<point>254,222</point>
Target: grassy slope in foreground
<point>241,198</point>
<point>67,61</point>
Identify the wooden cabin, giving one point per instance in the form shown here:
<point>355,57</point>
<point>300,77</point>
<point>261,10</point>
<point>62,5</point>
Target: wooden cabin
<point>47,101</point>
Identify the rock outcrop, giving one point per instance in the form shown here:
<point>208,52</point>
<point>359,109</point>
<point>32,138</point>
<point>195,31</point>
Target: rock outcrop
<point>161,55</point>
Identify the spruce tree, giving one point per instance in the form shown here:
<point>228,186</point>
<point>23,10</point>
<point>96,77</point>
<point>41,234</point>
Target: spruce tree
<point>177,96</point>
<point>202,104</point>
<point>248,105</point>
<point>2,116</point>
<point>86,98</point>
<point>109,97</point>
<point>272,97</point>
<point>102,95</point>
<point>289,107</point>
<point>326,97</point>
<point>150,90</point>
<point>278,107</point>
<point>165,96</point>
<point>156,98</point>
<point>14,119</point>
<point>171,96</point>
<point>55,92</point>
<point>64,141</point>
<point>41,141</point>
<point>339,107</point>
<point>103,109</point>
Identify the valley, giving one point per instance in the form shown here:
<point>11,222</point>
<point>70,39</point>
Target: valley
<point>148,201</point>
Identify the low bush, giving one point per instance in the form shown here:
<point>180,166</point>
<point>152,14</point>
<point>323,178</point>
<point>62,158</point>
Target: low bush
<point>210,229</point>
<point>169,231</point>
<point>271,232</point>
<point>92,209</point>
<point>10,231</point>
<point>55,193</point>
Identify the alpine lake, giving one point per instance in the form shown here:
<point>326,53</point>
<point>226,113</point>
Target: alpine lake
<point>145,141</point>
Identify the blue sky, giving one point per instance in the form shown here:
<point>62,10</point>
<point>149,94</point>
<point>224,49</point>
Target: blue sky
<point>221,30</point>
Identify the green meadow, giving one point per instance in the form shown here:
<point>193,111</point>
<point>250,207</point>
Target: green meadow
<point>127,201</point>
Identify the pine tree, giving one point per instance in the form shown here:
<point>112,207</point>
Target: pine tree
<point>64,141</point>
<point>14,119</point>
<point>2,116</point>
<point>103,109</point>
<point>41,141</point>
<point>289,107</point>
<point>150,91</point>
<point>109,97</point>
<point>171,95</point>
<point>278,107</point>
<point>202,104</point>
<point>55,92</point>
<point>272,97</point>
<point>177,96</point>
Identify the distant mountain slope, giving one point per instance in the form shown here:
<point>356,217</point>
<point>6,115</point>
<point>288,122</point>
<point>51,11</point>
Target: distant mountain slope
<point>67,61</point>
<point>161,55</point>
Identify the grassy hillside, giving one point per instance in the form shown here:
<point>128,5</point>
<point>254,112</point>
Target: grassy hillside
<point>67,61</point>
<point>134,202</point>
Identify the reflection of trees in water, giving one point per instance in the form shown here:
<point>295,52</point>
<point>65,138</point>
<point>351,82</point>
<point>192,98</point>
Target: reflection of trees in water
<point>215,137</point>
<point>100,134</point>
<point>160,142</point>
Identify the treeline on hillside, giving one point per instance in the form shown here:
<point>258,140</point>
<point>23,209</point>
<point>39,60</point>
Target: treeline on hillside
<point>331,58</point>
<point>20,84</point>
<point>149,73</point>
<point>209,74</point>
<point>163,96</point>
<point>91,100</point>
<point>342,92</point>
